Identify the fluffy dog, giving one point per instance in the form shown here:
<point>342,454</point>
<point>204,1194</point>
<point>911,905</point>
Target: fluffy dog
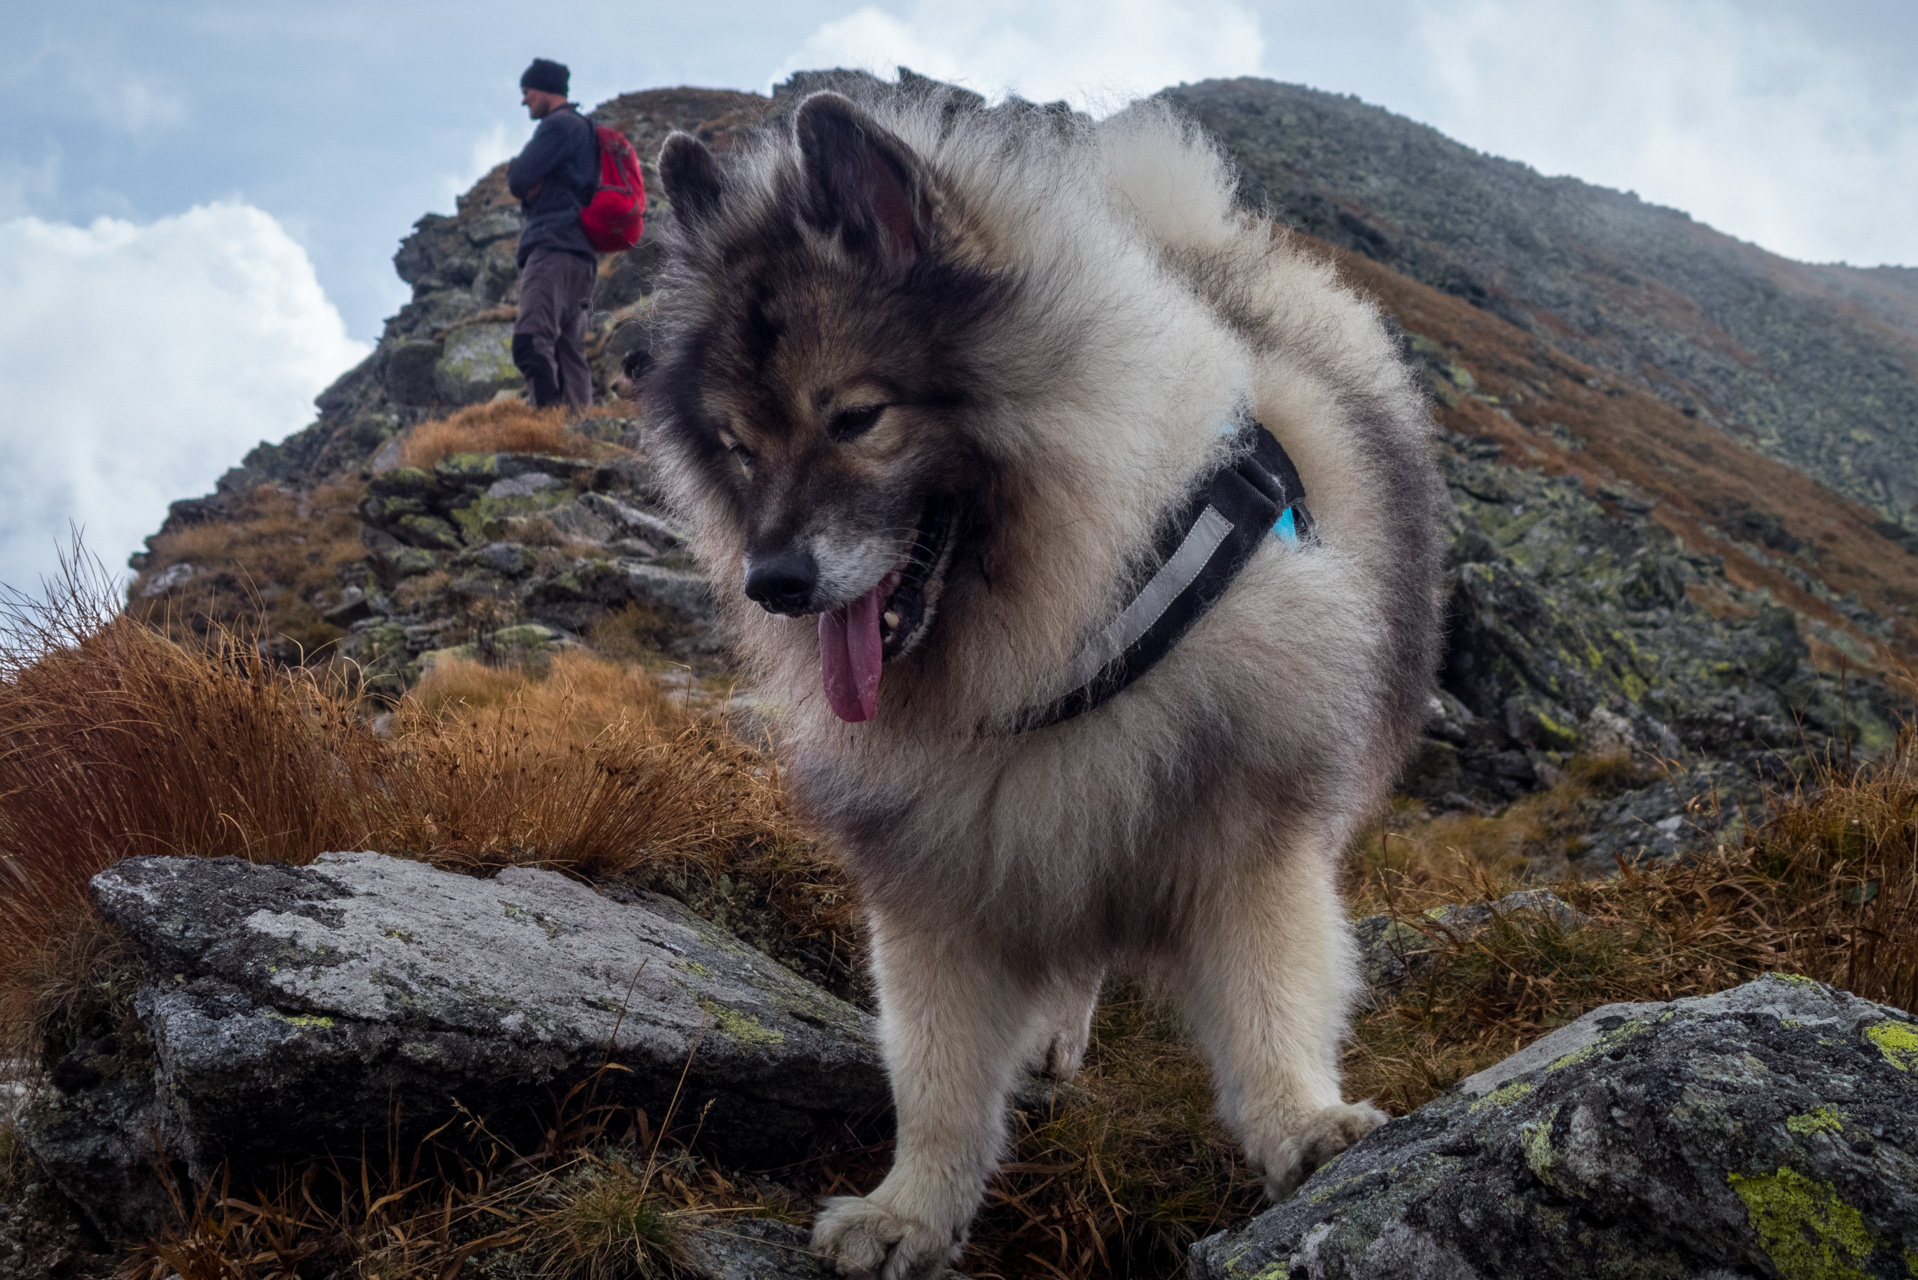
<point>931,379</point>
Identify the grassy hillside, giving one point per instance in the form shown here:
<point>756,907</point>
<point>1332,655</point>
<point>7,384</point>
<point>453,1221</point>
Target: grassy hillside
<point>1779,530</point>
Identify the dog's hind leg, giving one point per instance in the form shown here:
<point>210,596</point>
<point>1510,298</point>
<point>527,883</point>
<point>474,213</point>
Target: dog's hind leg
<point>1062,1026</point>
<point>1267,978</point>
<point>954,1028</point>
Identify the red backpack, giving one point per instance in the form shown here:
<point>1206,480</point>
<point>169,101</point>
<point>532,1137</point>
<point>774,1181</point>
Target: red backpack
<point>616,214</point>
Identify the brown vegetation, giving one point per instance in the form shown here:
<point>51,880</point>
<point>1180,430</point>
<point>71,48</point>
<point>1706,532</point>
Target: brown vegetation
<point>1826,888</point>
<point>504,426</point>
<point>262,569</point>
<point>1535,401</point>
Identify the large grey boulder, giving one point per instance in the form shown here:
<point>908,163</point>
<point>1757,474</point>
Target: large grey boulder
<point>292,1009</point>
<point>1769,1130</point>
<point>475,364</point>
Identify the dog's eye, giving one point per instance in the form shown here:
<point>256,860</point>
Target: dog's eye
<point>850,423</point>
<point>743,456</point>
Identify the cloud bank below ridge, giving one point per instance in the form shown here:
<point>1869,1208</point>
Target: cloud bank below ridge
<point>140,362</point>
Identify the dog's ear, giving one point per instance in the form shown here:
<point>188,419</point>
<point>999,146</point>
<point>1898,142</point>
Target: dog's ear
<point>691,178</point>
<point>863,181</point>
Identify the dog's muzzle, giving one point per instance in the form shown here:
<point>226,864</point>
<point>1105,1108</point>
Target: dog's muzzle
<point>782,582</point>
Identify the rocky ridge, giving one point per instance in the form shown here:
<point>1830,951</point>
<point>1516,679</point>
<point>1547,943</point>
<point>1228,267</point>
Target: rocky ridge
<point>1816,365</point>
<point>1585,618</point>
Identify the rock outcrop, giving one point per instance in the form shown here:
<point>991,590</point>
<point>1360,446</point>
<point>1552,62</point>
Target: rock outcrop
<point>289,1010</point>
<point>512,555</point>
<point>1770,1130</point>
<point>1574,629</point>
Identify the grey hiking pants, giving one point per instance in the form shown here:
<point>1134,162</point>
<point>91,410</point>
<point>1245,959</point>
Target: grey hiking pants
<point>549,337</point>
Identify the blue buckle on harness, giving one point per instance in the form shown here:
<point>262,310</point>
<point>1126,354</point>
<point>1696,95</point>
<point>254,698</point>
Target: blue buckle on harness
<point>1286,528</point>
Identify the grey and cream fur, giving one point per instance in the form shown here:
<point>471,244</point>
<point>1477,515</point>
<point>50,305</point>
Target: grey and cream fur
<point>990,351</point>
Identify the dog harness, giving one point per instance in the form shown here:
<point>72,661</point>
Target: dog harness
<point>1254,495</point>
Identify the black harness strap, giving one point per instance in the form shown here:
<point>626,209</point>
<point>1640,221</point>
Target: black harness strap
<point>1255,495</point>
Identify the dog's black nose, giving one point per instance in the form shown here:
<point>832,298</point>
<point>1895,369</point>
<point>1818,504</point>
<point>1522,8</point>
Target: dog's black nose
<point>783,581</point>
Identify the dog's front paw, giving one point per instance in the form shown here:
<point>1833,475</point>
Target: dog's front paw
<point>1061,1056</point>
<point>862,1238</point>
<point>1326,1133</point>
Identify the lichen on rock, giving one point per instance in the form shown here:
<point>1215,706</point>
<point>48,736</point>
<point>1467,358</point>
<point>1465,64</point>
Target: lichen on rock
<point>1760,1131</point>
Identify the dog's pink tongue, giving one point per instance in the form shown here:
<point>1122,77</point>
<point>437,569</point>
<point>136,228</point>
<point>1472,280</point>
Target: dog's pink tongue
<point>849,657</point>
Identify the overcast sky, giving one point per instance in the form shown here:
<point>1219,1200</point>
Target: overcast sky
<point>199,201</point>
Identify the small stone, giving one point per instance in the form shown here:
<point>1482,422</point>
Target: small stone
<point>352,607</point>
<point>522,486</point>
<point>476,363</point>
<point>508,558</point>
<point>427,531</point>
<point>174,575</point>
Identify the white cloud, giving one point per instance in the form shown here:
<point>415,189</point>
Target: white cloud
<point>139,362</point>
<point>1748,122</point>
<point>1097,54</point>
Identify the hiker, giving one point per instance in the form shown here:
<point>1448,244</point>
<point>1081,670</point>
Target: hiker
<point>554,178</point>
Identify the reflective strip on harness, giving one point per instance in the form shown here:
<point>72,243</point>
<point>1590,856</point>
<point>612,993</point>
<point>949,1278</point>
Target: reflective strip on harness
<point>1256,494</point>
<point>1172,579</point>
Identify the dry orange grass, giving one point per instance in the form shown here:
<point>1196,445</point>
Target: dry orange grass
<point>116,742</point>
<point>262,568</point>
<point>581,693</point>
<point>504,426</point>
<point>1827,887</point>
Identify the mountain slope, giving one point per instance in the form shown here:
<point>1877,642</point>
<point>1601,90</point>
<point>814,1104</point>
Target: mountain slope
<point>1625,568</point>
<point>1818,366</point>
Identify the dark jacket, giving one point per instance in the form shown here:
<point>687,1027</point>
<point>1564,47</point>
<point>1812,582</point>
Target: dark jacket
<point>554,178</point>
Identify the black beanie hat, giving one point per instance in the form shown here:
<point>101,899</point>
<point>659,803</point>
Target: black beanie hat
<point>547,76</point>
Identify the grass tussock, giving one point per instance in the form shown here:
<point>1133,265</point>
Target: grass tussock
<point>582,695</point>
<point>263,568</point>
<point>117,742</point>
<point>1827,888</point>
<point>606,1196</point>
<point>503,426</point>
